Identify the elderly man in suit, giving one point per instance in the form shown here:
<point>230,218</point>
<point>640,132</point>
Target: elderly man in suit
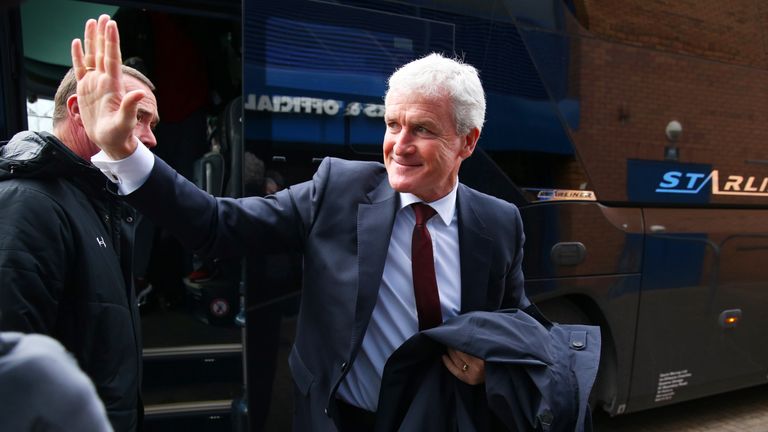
<point>378,267</point>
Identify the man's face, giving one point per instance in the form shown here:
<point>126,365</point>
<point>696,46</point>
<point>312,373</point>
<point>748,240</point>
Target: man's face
<point>422,151</point>
<point>147,116</point>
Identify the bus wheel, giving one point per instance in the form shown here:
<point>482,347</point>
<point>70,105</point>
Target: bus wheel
<point>563,311</point>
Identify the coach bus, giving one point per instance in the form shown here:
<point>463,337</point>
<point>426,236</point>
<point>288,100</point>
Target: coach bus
<point>631,136</point>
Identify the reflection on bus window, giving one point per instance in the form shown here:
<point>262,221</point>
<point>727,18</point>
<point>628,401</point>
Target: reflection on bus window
<point>40,114</point>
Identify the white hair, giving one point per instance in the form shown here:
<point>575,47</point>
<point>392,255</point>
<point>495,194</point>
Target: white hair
<point>435,75</point>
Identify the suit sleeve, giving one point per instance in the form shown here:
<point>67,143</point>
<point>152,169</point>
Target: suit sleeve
<point>514,291</point>
<point>35,256</point>
<point>226,227</point>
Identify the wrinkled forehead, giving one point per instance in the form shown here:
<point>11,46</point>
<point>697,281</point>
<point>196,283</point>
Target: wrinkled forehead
<point>437,107</point>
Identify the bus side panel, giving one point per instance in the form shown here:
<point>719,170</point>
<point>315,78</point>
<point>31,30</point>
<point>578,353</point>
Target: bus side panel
<point>610,240</point>
<point>702,320</point>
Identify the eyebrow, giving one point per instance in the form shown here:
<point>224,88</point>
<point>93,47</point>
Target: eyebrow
<point>156,117</point>
<point>425,122</point>
<point>421,121</point>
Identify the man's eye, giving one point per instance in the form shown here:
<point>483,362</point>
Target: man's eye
<point>139,117</point>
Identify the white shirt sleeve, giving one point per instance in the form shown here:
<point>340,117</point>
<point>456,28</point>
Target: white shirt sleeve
<point>128,173</point>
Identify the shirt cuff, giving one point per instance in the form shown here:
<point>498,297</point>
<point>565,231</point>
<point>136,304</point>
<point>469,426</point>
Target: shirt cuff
<point>128,173</point>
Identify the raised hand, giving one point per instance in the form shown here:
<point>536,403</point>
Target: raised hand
<point>108,113</point>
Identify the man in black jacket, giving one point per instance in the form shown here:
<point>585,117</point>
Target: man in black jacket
<point>66,249</point>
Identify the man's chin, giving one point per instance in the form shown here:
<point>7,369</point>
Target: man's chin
<point>400,185</point>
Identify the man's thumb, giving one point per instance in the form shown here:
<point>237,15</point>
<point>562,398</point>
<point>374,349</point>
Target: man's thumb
<point>129,107</point>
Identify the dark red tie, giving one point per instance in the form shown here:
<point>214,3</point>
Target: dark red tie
<point>423,266</point>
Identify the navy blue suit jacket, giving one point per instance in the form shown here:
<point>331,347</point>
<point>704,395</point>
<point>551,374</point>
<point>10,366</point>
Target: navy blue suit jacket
<point>341,222</point>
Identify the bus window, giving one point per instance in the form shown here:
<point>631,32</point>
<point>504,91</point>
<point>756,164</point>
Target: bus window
<point>316,75</point>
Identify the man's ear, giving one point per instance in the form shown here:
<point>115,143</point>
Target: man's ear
<point>469,143</point>
<point>73,109</point>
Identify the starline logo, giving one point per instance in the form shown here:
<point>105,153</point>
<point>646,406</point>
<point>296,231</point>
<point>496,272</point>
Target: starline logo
<point>679,182</point>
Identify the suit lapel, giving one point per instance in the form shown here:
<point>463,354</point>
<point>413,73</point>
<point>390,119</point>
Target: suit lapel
<point>374,229</point>
<point>475,253</point>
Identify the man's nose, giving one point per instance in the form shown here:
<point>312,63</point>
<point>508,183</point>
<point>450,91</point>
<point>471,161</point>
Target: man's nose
<point>148,138</point>
<point>404,143</point>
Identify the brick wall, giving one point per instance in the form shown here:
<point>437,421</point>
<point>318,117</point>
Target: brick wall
<point>732,31</point>
<point>642,64</point>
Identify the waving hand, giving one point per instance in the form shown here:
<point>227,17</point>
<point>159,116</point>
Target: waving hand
<point>108,113</point>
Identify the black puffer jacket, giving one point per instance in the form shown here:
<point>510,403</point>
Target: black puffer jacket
<point>65,258</point>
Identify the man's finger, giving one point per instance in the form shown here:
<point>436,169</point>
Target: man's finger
<point>78,64</point>
<point>448,362</point>
<point>129,107</point>
<point>101,28</point>
<point>90,41</point>
<point>457,360</point>
<point>113,57</point>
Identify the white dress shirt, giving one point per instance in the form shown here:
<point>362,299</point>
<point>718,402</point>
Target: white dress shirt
<point>394,318</point>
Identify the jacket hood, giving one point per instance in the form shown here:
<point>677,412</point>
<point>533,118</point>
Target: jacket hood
<point>40,155</point>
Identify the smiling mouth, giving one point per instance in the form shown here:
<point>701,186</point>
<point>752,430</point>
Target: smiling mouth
<point>404,164</point>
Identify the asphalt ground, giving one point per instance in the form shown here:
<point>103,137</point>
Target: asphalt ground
<point>740,411</point>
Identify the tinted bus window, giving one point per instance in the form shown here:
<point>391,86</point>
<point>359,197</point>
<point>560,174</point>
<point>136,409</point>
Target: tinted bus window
<point>316,74</point>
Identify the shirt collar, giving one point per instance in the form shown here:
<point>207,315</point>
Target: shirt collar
<point>445,206</point>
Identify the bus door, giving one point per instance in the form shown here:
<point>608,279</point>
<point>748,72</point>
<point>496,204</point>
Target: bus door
<point>192,346</point>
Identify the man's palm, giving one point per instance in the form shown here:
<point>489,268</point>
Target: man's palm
<point>107,112</point>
